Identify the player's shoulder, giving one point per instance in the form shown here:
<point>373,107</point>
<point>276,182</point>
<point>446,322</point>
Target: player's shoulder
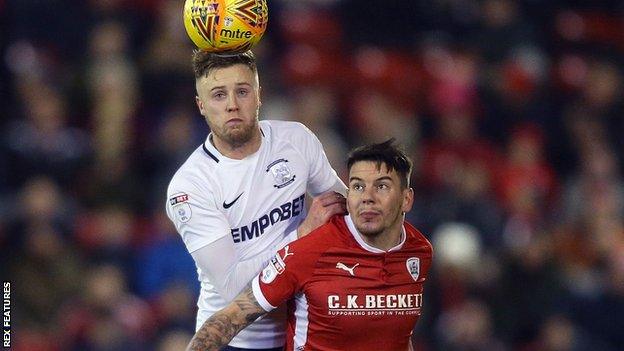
<point>192,174</point>
<point>286,130</point>
<point>328,235</point>
<point>417,238</point>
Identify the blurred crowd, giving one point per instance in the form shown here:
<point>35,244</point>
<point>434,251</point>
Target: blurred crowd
<point>512,110</point>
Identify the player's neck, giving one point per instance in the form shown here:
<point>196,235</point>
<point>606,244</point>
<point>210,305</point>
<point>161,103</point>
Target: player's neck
<point>237,152</point>
<point>387,239</point>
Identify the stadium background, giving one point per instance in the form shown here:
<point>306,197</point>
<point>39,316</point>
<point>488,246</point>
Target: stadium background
<point>512,111</point>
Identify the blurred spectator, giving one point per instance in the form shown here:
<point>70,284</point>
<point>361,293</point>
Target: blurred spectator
<point>317,107</point>
<point>468,327</point>
<point>525,169</point>
<point>174,341</point>
<point>106,316</point>
<point>558,333</point>
<point>163,262</point>
<point>47,263</point>
<point>113,87</point>
<point>43,143</point>
<point>165,61</point>
<point>468,199</point>
<point>456,146</point>
<point>175,308</point>
<point>502,28</point>
<point>108,234</point>
<point>176,132</point>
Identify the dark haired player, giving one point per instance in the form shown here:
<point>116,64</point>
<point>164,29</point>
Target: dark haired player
<point>355,283</point>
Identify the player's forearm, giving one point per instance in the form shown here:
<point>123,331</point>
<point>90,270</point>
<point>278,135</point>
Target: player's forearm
<point>215,333</point>
<point>239,276</point>
<point>221,327</point>
<point>226,271</point>
<point>218,330</point>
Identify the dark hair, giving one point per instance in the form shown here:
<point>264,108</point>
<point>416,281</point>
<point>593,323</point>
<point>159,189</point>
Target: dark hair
<point>384,153</point>
<point>204,62</point>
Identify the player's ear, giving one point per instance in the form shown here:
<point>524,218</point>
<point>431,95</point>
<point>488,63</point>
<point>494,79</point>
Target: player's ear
<point>408,200</point>
<point>200,105</point>
<point>259,96</point>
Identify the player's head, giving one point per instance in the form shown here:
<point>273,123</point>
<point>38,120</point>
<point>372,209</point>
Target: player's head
<point>379,192</point>
<point>228,94</point>
<point>204,62</point>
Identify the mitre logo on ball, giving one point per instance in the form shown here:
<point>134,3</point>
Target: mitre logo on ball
<point>227,26</point>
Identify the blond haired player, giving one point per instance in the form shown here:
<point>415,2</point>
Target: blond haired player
<point>240,195</point>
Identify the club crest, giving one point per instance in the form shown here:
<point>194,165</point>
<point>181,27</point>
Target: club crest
<point>281,173</point>
<point>413,267</point>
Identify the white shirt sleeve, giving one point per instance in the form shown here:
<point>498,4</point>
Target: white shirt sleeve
<point>322,176</point>
<point>196,217</point>
<point>206,234</point>
<point>225,269</point>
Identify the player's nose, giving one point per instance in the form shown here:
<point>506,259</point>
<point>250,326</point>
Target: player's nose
<point>368,195</point>
<point>232,103</point>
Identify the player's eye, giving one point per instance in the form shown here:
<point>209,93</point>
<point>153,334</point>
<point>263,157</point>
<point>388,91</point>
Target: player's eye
<point>243,92</point>
<point>218,95</point>
<point>357,187</point>
<point>383,186</point>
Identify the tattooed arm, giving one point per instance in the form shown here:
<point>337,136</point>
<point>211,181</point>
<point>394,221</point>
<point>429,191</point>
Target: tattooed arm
<point>222,326</point>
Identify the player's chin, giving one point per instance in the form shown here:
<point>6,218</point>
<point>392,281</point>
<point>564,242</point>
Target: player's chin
<point>369,228</point>
<point>239,134</point>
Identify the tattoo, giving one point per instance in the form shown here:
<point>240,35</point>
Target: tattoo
<point>222,326</point>
<point>248,304</point>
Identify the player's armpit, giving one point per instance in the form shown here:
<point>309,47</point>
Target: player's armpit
<point>222,326</point>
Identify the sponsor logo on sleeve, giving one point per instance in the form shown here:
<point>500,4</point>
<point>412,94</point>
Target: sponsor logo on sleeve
<point>180,206</point>
<point>276,266</point>
<point>178,199</point>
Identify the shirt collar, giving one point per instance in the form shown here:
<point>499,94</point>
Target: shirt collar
<point>358,237</point>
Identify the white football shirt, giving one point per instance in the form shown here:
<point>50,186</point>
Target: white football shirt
<point>257,201</point>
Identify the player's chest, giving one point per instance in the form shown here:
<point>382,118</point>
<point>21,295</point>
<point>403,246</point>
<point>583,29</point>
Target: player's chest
<point>255,186</point>
<point>384,285</point>
<point>275,171</point>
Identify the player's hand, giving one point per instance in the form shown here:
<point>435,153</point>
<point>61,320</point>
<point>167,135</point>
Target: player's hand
<point>323,207</point>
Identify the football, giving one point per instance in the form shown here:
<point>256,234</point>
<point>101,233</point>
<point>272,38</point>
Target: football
<point>225,26</point>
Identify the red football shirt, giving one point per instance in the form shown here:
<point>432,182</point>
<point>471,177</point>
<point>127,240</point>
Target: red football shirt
<point>347,294</point>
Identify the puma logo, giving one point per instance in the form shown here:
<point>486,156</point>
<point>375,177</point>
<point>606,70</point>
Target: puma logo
<point>342,266</point>
<point>286,253</point>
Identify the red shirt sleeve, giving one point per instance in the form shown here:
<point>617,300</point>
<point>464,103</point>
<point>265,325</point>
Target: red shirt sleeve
<point>282,277</point>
